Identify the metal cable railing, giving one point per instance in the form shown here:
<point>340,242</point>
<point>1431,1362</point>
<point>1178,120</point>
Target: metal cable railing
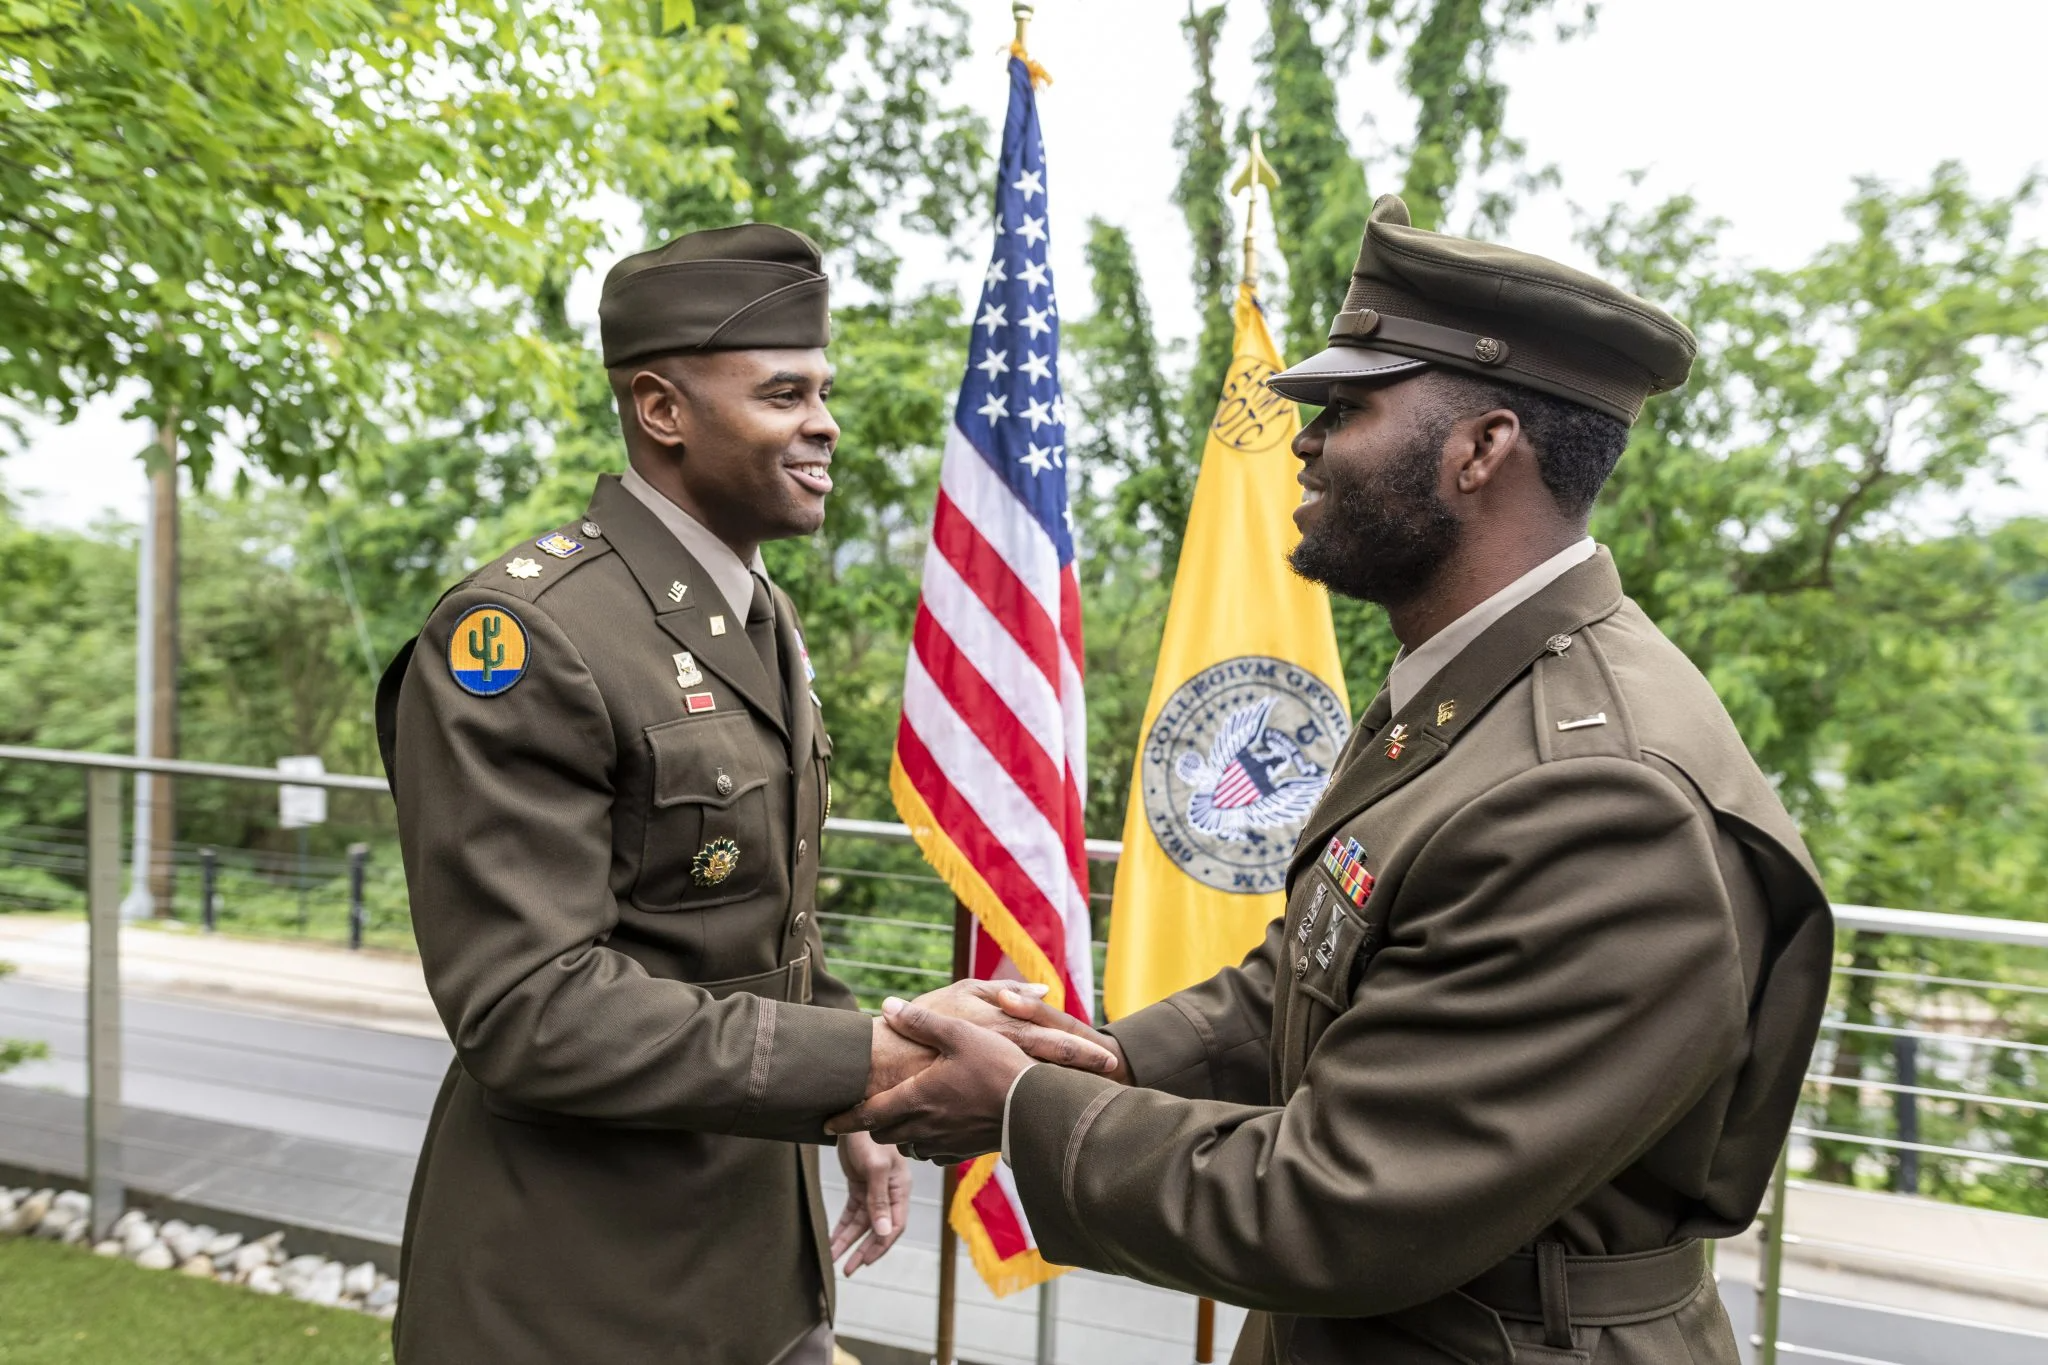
<point>1928,1084</point>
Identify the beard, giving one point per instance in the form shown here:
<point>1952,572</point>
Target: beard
<point>1387,541</point>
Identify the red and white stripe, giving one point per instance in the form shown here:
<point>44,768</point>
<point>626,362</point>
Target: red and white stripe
<point>994,729</point>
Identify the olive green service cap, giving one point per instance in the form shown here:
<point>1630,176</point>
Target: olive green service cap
<point>1421,298</point>
<point>755,287</point>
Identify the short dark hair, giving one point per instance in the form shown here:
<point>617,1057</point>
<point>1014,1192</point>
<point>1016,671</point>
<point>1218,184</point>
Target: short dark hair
<point>1576,446</point>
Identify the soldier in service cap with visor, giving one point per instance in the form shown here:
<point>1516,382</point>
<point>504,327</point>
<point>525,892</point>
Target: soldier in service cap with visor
<point>612,777</point>
<point>1534,1022</point>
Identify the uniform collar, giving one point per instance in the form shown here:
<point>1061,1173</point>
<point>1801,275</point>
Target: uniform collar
<point>1413,669</point>
<point>733,576</point>
<point>687,602</point>
<point>1378,759</point>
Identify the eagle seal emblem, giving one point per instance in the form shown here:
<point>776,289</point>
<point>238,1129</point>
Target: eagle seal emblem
<point>1237,758</point>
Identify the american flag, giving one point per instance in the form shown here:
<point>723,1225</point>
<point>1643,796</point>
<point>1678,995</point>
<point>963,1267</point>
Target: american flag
<point>989,763</point>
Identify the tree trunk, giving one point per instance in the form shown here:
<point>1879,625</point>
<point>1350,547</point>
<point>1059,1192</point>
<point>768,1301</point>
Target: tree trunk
<point>163,813</point>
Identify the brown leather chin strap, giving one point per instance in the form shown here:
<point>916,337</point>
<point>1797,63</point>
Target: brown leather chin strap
<point>1406,336</point>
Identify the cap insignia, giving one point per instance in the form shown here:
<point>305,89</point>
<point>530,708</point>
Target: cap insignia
<point>1489,351</point>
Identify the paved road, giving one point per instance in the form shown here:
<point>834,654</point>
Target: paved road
<point>318,1124</point>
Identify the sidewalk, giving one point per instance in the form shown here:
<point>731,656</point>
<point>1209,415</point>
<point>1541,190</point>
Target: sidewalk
<point>372,988</point>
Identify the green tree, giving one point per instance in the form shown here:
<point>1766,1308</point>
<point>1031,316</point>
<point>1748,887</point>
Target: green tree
<point>1206,163</point>
<point>1449,50</point>
<point>1322,203</point>
<point>295,214</point>
<point>836,127</point>
<point>1780,519</point>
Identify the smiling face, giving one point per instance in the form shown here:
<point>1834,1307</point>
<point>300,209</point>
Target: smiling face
<point>743,439</point>
<point>1374,521</point>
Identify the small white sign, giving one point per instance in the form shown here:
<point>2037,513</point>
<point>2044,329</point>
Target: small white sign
<point>300,807</point>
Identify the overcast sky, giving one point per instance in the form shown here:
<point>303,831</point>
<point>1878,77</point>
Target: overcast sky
<point>1767,110</point>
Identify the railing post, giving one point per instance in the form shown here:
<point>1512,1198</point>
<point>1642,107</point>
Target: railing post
<point>1906,1107</point>
<point>1048,1321</point>
<point>1773,1265</point>
<point>103,998</point>
<point>949,1241</point>
<point>358,855</point>
<point>209,884</point>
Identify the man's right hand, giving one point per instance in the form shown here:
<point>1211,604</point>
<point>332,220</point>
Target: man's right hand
<point>1017,1010</point>
<point>894,1059</point>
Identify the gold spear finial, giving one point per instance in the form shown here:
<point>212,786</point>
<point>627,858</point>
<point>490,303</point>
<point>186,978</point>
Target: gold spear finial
<point>1257,171</point>
<point>1023,12</point>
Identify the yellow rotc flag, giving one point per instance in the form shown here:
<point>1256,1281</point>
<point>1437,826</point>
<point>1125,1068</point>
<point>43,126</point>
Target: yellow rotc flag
<point>1248,708</point>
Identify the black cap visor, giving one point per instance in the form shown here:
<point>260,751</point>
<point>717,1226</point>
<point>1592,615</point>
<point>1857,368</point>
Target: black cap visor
<point>1310,381</point>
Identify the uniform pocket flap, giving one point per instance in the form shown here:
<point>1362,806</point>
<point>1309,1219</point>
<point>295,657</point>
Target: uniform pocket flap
<point>710,760</point>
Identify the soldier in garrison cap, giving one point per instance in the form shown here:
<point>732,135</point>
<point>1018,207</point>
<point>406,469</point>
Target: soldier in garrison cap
<point>1553,960</point>
<point>612,777</point>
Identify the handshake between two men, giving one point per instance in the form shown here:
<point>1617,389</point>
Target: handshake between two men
<point>940,1078</point>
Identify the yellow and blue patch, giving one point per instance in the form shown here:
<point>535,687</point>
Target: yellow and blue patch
<point>559,545</point>
<point>487,651</point>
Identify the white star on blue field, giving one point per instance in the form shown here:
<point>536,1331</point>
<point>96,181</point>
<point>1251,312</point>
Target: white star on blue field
<point>1011,408</point>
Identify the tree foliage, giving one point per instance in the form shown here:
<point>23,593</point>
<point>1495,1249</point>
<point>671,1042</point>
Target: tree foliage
<point>315,217</point>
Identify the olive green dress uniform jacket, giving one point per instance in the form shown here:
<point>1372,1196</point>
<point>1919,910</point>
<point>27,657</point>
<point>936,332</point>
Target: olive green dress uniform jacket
<point>1481,1118</point>
<point>608,1174</point>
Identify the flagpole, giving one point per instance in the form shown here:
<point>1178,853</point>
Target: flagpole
<point>1257,171</point>
<point>949,1240</point>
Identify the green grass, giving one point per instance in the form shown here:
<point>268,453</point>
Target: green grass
<point>65,1306</point>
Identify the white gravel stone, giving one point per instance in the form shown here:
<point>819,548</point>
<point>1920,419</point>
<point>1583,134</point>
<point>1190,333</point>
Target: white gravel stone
<point>199,1267</point>
<point>156,1256</point>
<point>31,1210</point>
<point>110,1247</point>
<point>55,1224</point>
<point>263,1280</point>
<point>137,1235</point>
<point>385,1295</point>
<point>223,1244</point>
<point>7,1202</point>
<point>273,1244</point>
<point>324,1288</point>
<point>77,1201</point>
<point>359,1280</point>
<point>185,1243</point>
<point>78,1234</point>
<point>246,1259</point>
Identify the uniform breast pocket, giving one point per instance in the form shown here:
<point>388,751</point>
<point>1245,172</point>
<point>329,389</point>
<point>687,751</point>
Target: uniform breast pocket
<point>1325,943</point>
<point>707,834</point>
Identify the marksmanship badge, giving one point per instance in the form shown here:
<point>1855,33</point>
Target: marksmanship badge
<point>1236,760</point>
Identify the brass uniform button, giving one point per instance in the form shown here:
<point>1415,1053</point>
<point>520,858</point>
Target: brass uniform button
<point>1300,968</point>
<point>724,785</point>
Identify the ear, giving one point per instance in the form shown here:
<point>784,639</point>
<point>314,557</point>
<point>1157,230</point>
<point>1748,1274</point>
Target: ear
<point>1485,442</point>
<point>660,407</point>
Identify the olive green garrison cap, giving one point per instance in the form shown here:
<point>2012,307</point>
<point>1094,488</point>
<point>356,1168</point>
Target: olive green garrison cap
<point>1422,298</point>
<point>755,287</point>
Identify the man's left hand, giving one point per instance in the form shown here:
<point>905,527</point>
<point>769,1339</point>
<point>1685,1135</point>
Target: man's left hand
<point>954,1106</point>
<point>877,1201</point>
